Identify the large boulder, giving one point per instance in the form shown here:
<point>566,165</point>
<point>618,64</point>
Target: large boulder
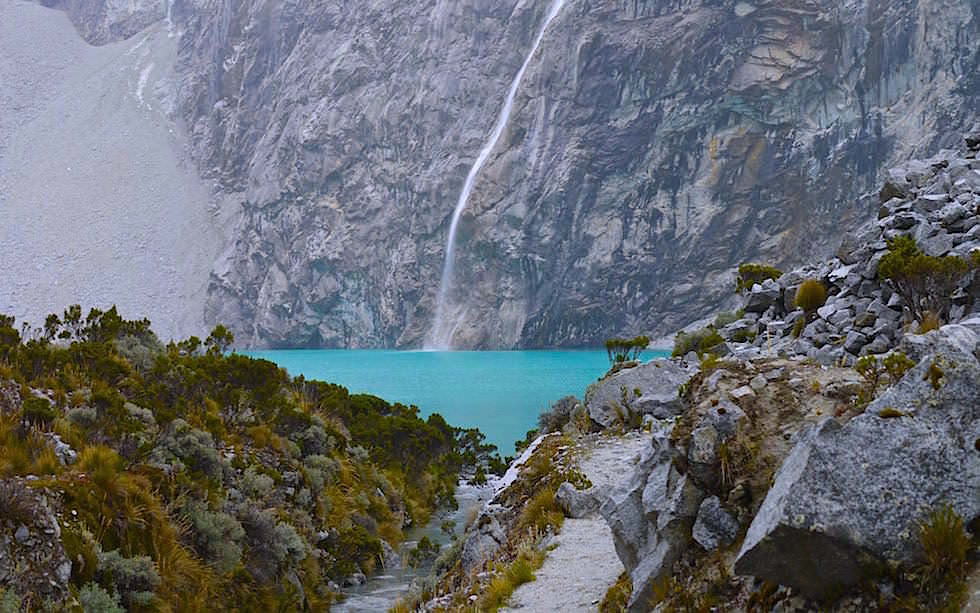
<point>849,498</point>
<point>578,503</point>
<point>647,389</point>
<point>651,516</point>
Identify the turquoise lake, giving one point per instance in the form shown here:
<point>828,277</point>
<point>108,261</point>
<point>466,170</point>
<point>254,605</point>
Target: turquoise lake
<point>499,392</point>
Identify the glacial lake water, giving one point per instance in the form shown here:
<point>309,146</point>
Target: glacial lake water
<point>499,392</point>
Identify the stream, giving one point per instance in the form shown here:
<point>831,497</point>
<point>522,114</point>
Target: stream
<point>383,589</point>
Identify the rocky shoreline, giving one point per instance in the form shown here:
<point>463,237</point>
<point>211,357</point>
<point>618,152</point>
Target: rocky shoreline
<point>787,470</point>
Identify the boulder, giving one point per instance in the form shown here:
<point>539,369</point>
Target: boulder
<point>763,296</point>
<point>714,527</point>
<point>651,516</point>
<point>854,342</point>
<point>849,498</point>
<point>577,503</point>
<point>615,397</point>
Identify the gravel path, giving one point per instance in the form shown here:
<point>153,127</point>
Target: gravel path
<point>577,573</point>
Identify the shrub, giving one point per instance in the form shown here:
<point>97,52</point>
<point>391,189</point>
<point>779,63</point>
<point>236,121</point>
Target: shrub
<point>621,350</point>
<point>424,551</point>
<point>798,327</point>
<point>94,599</point>
<point>37,411</point>
<point>896,365</point>
<point>925,283</point>
<point>136,578</point>
<point>723,319</point>
<point>10,602</point>
<point>930,321</point>
<point>811,295</point>
<point>945,546</point>
<point>750,274</point>
<point>218,536</point>
<point>554,419</point>
<point>618,595</point>
<point>698,341</point>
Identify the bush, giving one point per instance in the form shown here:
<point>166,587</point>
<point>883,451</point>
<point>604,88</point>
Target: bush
<point>423,552</point>
<point>136,578</point>
<point>798,327</point>
<point>698,341</point>
<point>621,350</point>
<point>945,546</point>
<point>811,295</point>
<point>925,283</point>
<point>555,419</point>
<point>218,536</point>
<point>37,411</point>
<point>94,599</point>
<point>750,274</point>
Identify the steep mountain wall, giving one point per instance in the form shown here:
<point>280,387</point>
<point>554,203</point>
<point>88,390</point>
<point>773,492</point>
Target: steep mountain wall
<point>653,146</point>
<point>99,202</point>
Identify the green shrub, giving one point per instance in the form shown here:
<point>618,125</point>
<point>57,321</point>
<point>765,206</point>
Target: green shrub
<point>723,319</point>
<point>811,295</point>
<point>217,536</point>
<point>924,283</point>
<point>621,350</point>
<point>698,341</point>
<point>94,599</point>
<point>945,545</point>
<point>750,274</point>
<point>798,327</point>
<point>37,411</point>
<point>10,602</point>
<point>423,552</point>
<point>618,595</point>
<point>135,578</point>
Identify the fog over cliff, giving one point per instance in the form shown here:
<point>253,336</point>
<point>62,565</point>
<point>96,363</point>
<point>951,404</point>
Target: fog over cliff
<point>297,164</point>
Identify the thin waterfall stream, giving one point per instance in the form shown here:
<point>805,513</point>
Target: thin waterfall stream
<point>441,332</point>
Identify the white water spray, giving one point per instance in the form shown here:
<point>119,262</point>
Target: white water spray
<point>441,332</point>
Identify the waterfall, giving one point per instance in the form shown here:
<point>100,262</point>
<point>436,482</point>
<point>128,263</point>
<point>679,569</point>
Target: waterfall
<point>170,20</point>
<point>441,332</point>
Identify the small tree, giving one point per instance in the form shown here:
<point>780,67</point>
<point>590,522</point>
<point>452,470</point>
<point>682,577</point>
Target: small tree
<point>925,283</point>
<point>621,350</point>
<point>750,274</point>
<point>220,340</point>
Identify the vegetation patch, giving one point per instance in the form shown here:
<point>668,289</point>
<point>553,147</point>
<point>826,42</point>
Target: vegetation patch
<point>749,274</point>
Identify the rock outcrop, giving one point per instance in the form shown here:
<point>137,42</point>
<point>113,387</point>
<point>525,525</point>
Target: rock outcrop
<point>645,389</point>
<point>849,496</point>
<point>653,146</point>
<point>651,517</point>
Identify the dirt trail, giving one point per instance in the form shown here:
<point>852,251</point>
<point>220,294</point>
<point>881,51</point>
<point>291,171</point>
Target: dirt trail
<point>579,570</point>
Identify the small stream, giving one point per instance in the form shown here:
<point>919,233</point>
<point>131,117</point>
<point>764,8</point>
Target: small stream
<point>383,589</point>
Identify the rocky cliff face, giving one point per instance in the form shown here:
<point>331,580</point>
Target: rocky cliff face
<point>653,146</point>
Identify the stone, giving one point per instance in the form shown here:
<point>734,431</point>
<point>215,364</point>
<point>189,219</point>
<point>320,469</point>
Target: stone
<point>826,311</point>
<point>23,534</point>
<point>741,394</point>
<point>854,342</point>
<point>848,498</point>
<point>577,503</point>
<point>714,428</point>
<point>867,318</point>
<point>650,516</point>
<point>657,382</point>
<point>758,383</point>
<point>901,221</point>
<point>714,527</point>
<point>761,297</point>
<point>879,344</point>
